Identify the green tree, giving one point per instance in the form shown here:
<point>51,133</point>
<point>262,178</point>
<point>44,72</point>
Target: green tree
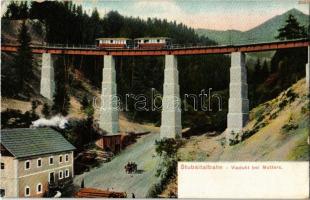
<point>87,107</point>
<point>23,59</point>
<point>113,24</point>
<point>61,100</point>
<point>167,149</point>
<point>265,70</point>
<point>291,30</point>
<point>257,72</point>
<point>287,65</point>
<point>61,96</point>
<point>17,10</point>
<point>12,10</point>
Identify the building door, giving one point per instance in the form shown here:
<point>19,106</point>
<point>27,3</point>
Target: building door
<point>2,192</point>
<point>51,177</point>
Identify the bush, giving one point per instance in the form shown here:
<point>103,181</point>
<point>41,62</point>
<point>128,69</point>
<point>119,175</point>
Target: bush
<point>305,109</point>
<point>291,95</point>
<point>290,126</point>
<point>80,133</point>
<point>282,104</point>
<point>89,110</point>
<point>167,149</point>
<point>12,118</point>
<point>273,115</point>
<point>166,171</point>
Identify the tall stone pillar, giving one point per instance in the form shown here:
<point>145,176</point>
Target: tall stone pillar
<point>47,85</point>
<point>238,108</point>
<point>171,104</point>
<point>109,102</point>
<point>308,71</point>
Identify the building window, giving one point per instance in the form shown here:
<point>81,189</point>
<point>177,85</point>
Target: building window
<point>39,188</point>
<point>67,157</point>
<point>27,191</point>
<point>60,159</point>
<point>51,160</point>
<point>2,192</point>
<point>111,41</point>
<point>67,173</point>
<point>27,164</point>
<point>61,174</point>
<point>2,165</point>
<point>39,162</point>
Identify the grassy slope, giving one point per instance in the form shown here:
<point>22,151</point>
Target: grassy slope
<point>270,142</point>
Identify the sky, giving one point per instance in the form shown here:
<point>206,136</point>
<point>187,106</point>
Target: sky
<point>210,14</point>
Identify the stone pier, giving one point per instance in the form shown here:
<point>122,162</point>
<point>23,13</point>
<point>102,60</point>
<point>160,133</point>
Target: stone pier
<point>109,102</point>
<point>47,85</point>
<point>238,107</point>
<point>308,71</point>
<point>171,104</point>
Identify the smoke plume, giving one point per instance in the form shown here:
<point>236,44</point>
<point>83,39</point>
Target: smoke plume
<point>56,121</point>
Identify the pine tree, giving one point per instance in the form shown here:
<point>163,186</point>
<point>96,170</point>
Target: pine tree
<point>257,72</point>
<point>61,96</point>
<point>288,64</point>
<point>12,10</point>
<point>292,30</point>
<point>265,70</point>
<point>23,59</point>
<point>24,10</point>
<point>61,100</point>
<point>17,10</point>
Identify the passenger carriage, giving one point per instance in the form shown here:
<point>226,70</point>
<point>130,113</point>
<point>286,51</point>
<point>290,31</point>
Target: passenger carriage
<point>113,43</point>
<point>152,42</point>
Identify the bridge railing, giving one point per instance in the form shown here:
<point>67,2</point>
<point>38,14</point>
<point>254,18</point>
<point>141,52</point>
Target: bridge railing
<point>132,47</point>
<point>66,46</point>
<point>172,46</point>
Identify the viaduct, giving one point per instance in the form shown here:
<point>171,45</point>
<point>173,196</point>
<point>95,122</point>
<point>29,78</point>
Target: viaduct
<point>238,108</point>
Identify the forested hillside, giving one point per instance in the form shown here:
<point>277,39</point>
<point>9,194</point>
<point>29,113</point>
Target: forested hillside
<point>67,23</point>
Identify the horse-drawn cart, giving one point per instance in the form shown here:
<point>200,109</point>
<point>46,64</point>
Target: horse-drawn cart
<point>131,167</point>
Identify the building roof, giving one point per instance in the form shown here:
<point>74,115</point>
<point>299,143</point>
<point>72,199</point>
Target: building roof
<point>151,38</point>
<point>113,39</point>
<point>25,142</point>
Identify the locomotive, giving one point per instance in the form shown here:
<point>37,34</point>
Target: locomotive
<point>137,43</point>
